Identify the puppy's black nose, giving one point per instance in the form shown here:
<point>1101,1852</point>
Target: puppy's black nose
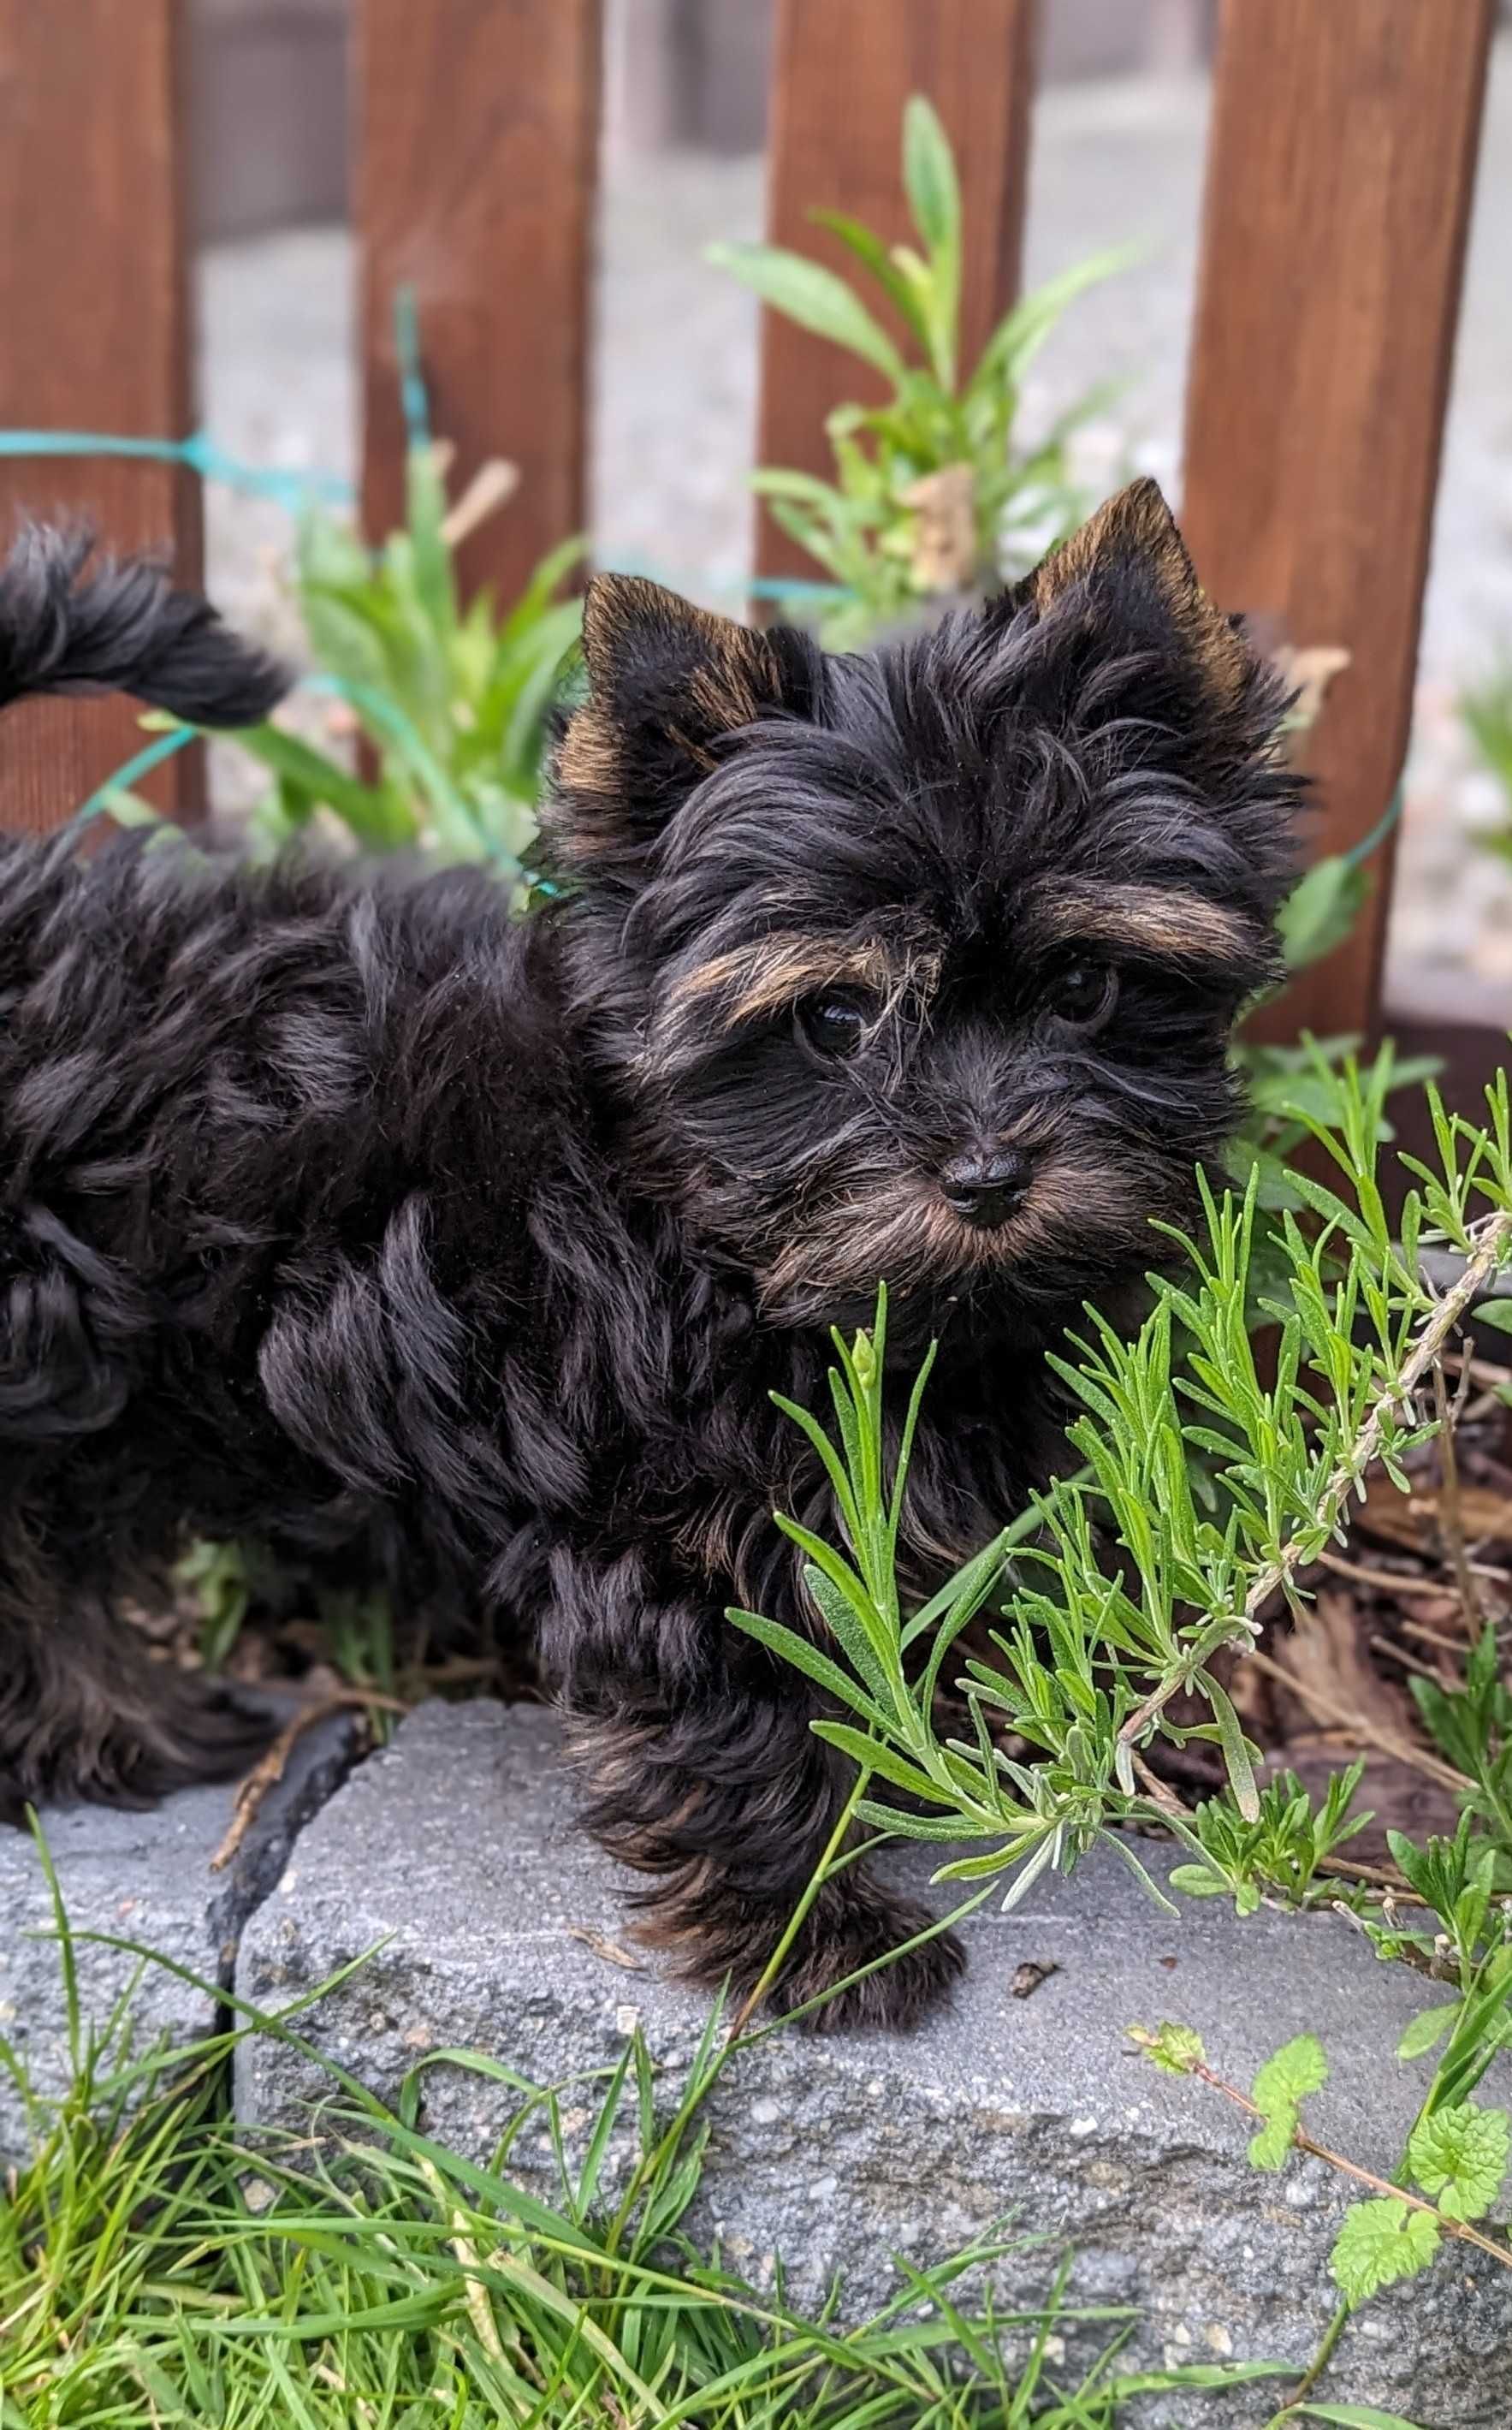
<point>984,1188</point>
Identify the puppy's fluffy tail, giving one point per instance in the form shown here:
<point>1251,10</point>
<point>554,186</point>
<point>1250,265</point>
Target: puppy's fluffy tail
<point>122,627</point>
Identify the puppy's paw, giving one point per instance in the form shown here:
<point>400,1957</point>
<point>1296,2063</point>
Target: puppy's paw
<point>851,1933</point>
<point>186,1733</point>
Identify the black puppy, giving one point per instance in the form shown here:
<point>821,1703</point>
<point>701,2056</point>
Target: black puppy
<point>467,1250</point>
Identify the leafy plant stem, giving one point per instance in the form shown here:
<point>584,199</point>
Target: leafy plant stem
<point>1327,2345</point>
<point>1451,1517</point>
<point>1302,2142</point>
<point>795,1922</point>
<point>1492,1239</point>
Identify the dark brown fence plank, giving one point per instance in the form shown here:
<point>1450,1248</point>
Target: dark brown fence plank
<point>1338,179</point>
<point>841,73</point>
<point>478,131</point>
<point>93,333</point>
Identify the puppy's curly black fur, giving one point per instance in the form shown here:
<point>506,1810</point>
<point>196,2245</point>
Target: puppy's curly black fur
<point>467,1250</point>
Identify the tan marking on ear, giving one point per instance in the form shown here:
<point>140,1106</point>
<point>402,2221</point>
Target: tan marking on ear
<point>1136,523</point>
<point>1171,925</point>
<point>739,673</point>
<point>731,669</point>
<point>589,759</point>
<point>780,969</point>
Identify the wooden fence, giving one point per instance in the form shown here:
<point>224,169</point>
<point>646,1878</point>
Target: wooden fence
<point>1340,164</point>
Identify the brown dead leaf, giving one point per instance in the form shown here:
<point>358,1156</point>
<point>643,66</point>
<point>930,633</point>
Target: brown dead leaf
<point>609,1950</point>
<point>1412,1520</point>
<point>944,540</point>
<point>1326,1658</point>
<point>1308,674</point>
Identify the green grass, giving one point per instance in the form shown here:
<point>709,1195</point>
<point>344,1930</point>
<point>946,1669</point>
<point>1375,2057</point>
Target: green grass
<point>156,2268</point>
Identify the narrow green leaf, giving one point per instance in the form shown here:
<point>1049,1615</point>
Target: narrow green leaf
<point>872,1755</point>
<point>1356,2416</point>
<point>803,1657</point>
<point>929,174</point>
<point>869,250</point>
<point>813,297</point>
<point>374,815</point>
<point>1236,1751</point>
<point>1427,2029</point>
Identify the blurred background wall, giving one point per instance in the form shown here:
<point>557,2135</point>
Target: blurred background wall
<point>267,80</point>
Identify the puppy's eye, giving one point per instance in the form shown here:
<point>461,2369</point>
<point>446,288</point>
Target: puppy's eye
<point>1082,994</point>
<point>834,1025</point>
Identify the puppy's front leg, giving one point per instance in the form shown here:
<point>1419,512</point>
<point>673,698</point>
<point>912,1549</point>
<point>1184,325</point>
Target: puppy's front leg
<point>703,1773</point>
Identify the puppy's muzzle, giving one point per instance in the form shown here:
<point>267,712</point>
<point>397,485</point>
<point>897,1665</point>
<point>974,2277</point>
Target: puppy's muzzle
<point>984,1189</point>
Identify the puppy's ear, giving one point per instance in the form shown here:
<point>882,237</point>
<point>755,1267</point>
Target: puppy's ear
<point>1127,572</point>
<point>668,683</point>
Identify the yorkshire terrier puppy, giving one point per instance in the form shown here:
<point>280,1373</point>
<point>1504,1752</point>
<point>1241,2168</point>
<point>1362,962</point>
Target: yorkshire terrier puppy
<point>466,1251</point>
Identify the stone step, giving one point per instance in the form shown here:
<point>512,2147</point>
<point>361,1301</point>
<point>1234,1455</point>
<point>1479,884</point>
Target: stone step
<point>502,1932</point>
<point>145,1878</point>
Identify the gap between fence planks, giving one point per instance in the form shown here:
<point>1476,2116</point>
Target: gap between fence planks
<point>95,334</point>
<point>841,73</point>
<point>477,140</point>
<point>1339,171</point>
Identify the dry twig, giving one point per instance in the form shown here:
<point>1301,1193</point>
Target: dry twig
<point>269,1769</point>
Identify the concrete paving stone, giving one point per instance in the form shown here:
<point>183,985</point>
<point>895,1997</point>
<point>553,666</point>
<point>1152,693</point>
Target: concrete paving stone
<point>502,1929</point>
<point>147,1878</point>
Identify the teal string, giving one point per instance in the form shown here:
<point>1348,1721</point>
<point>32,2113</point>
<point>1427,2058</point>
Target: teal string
<point>383,712</point>
<point>200,452</point>
<point>141,765</point>
<point>413,395</point>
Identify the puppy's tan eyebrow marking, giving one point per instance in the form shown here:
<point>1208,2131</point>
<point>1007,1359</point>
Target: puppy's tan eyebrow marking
<point>779,970</point>
<point>1167,922</point>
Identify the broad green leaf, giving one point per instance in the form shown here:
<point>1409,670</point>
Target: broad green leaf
<point>1175,2048</point>
<point>1497,1313</point>
<point>1268,2149</point>
<point>1279,2089</point>
<point>1381,2240</point>
<point>813,297</point>
<point>1298,2069</point>
<point>1196,1881</point>
<point>1460,2157</point>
